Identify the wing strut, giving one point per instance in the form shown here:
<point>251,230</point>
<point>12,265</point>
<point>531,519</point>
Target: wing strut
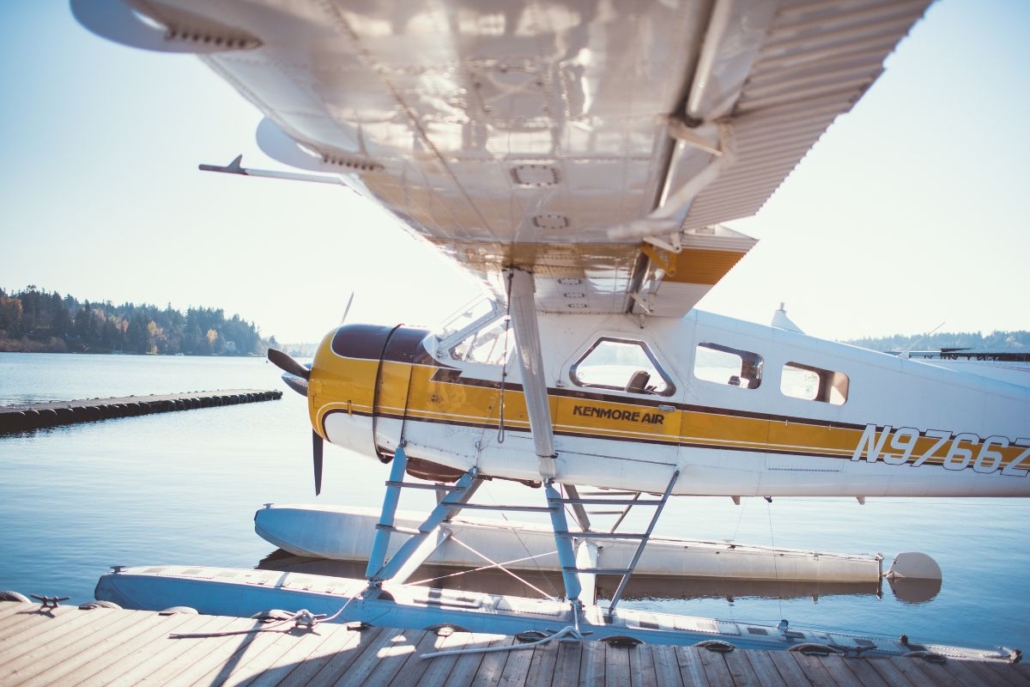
<point>522,300</point>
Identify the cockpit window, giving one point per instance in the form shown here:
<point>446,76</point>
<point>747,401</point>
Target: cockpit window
<point>724,365</point>
<point>622,365</point>
<point>489,345</point>
<point>465,328</point>
<point>475,311</point>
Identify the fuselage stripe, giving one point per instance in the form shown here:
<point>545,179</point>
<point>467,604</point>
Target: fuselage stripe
<point>685,442</point>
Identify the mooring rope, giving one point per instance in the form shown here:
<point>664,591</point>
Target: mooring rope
<point>302,618</point>
<point>492,566</point>
<point>500,566</point>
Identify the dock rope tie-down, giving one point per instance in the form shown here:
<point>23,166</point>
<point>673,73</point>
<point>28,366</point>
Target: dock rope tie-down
<point>302,618</point>
<point>49,602</point>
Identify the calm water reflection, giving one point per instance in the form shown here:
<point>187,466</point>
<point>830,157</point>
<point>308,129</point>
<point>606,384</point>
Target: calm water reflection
<point>183,488</point>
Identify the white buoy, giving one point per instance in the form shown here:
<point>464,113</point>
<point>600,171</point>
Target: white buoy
<point>914,565</point>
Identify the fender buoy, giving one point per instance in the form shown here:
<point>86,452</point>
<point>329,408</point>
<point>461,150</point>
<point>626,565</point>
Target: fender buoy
<point>716,646</point>
<point>90,605</point>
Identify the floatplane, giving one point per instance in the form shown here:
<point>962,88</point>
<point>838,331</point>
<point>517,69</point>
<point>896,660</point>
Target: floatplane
<point>580,158</point>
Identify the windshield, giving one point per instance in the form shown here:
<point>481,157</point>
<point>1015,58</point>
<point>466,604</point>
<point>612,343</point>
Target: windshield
<point>477,332</point>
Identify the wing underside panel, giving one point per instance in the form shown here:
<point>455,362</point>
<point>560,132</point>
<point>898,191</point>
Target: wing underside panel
<point>596,144</point>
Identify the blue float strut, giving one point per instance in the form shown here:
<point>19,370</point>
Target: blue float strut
<point>393,494</point>
<point>563,540</point>
<point>462,491</point>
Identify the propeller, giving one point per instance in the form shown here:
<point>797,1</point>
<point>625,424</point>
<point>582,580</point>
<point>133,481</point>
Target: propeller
<point>346,311</point>
<point>287,364</point>
<point>316,455</point>
<point>296,378</point>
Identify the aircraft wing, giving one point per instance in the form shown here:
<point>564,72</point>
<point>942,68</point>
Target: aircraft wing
<point>598,144</point>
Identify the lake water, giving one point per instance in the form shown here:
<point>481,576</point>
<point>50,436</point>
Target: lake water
<point>183,487</point>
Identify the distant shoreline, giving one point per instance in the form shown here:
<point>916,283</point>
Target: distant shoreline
<point>59,346</point>
<point>35,321</point>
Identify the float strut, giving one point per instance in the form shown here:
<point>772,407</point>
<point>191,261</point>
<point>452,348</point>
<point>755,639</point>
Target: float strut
<point>448,507</point>
<point>393,494</point>
<point>563,540</point>
<point>643,542</point>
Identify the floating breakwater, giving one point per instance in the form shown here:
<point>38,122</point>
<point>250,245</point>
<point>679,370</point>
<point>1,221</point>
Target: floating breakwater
<point>34,416</point>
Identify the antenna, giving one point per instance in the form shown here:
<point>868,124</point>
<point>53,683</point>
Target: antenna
<point>911,347</point>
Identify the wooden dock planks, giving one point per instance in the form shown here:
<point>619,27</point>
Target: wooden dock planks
<point>72,647</point>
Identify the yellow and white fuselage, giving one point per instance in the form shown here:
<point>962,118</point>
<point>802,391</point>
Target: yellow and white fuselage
<point>739,409</point>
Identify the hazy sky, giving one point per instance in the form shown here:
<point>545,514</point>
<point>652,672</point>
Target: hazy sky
<point>912,211</point>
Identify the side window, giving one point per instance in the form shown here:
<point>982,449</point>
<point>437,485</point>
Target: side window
<point>724,365</point>
<point>622,365</point>
<point>814,384</point>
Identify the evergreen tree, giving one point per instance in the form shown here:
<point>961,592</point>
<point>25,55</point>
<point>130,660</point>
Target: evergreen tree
<point>37,320</point>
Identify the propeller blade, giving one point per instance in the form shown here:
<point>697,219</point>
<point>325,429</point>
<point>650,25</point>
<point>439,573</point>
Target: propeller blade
<point>316,454</point>
<point>296,383</point>
<point>346,311</point>
<point>287,364</point>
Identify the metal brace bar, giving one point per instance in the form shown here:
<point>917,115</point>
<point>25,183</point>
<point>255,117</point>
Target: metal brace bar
<point>612,492</point>
<point>525,509</point>
<point>577,507</point>
<point>643,543</point>
<point>601,535</point>
<point>393,493</point>
<point>673,245</point>
<point>614,502</point>
<point>603,571</point>
<point>397,529</point>
<point>625,512</point>
<point>427,487</point>
<point>566,556</point>
<point>429,543</point>
<point>449,506</point>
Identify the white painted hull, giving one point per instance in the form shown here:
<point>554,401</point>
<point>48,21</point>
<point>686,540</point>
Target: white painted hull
<point>345,533</point>
<point>908,428</point>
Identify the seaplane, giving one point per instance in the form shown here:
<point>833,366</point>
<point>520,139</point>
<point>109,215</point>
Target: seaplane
<point>581,158</point>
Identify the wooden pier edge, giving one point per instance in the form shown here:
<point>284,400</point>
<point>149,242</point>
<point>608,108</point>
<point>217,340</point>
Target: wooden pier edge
<point>31,417</point>
<point>70,645</point>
